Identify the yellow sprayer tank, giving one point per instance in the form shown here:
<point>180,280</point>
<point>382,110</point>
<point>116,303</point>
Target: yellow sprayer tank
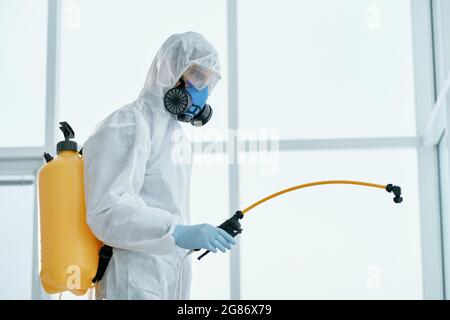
<point>69,250</point>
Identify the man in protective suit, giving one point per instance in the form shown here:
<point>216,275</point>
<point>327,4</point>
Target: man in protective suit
<point>137,196</point>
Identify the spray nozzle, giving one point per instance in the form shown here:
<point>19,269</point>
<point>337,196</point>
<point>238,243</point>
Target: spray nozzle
<point>232,226</point>
<point>396,190</point>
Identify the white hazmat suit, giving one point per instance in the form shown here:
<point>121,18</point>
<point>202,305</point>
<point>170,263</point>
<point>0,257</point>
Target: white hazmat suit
<point>135,193</point>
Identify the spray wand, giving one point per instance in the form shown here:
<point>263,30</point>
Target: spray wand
<point>233,227</point>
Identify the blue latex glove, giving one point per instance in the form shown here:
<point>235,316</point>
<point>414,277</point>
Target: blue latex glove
<point>202,236</point>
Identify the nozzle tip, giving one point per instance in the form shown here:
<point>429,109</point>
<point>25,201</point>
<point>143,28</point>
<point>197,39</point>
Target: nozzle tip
<point>396,190</point>
<point>398,199</point>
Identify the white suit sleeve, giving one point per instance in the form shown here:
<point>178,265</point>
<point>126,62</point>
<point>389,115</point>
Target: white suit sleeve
<point>115,158</point>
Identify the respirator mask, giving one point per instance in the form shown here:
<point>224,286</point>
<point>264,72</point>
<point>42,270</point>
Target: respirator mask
<point>188,102</point>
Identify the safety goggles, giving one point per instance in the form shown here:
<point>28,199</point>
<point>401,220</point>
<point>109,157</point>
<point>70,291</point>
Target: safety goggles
<point>200,77</point>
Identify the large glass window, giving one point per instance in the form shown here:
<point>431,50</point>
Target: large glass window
<point>16,238</point>
<point>326,69</point>
<point>312,70</point>
<point>336,241</point>
<point>23,38</point>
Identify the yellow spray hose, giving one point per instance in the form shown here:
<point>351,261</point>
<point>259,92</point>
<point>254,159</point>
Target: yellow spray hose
<point>233,227</point>
<point>311,184</point>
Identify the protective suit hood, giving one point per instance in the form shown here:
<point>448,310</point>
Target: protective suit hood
<point>175,56</point>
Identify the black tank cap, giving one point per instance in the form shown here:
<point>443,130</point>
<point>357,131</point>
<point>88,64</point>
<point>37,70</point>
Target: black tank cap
<point>67,144</point>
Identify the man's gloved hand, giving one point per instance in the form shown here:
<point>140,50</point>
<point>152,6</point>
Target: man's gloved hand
<point>202,236</point>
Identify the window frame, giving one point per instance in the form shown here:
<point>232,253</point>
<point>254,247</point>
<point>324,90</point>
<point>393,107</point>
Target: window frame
<point>438,123</point>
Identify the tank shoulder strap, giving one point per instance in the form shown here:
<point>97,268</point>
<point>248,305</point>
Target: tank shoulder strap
<point>104,255</point>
